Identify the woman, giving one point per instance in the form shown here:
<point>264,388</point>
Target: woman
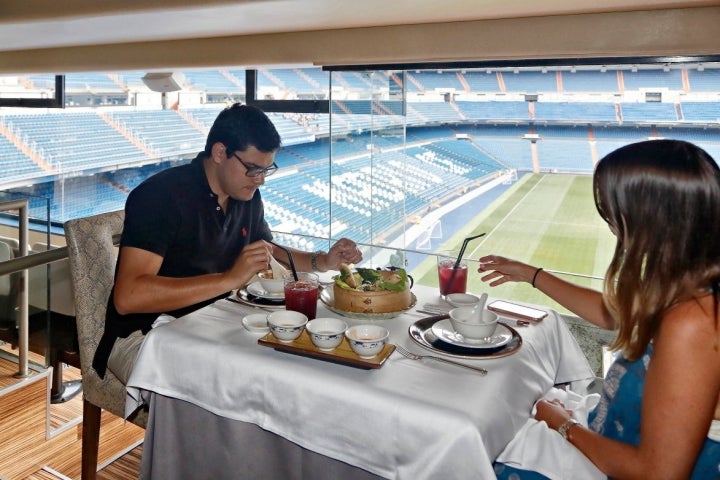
<point>661,199</point>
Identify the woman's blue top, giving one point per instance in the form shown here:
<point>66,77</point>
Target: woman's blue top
<point>619,414</point>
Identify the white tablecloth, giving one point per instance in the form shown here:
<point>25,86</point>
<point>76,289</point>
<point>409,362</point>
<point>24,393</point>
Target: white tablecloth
<point>408,419</point>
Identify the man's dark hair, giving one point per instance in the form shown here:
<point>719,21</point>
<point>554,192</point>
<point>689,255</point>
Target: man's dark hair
<point>241,126</point>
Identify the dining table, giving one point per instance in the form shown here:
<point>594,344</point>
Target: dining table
<point>224,402</point>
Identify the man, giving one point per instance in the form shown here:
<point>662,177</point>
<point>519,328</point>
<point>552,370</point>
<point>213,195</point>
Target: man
<point>195,232</point>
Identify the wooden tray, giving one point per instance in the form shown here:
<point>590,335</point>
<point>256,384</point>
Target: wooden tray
<point>342,354</point>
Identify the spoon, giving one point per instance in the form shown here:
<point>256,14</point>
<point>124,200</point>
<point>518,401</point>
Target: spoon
<point>482,302</point>
<point>477,310</point>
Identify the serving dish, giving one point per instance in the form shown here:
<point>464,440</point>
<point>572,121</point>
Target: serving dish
<point>342,354</point>
<point>421,332</point>
<point>326,297</point>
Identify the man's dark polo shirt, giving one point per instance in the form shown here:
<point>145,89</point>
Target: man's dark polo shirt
<point>175,215</point>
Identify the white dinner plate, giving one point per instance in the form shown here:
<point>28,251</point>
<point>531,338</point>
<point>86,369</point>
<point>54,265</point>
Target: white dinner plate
<point>256,289</point>
<point>444,331</point>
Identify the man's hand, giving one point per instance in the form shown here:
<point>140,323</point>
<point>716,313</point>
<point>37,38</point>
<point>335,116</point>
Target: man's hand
<point>343,251</point>
<point>254,258</point>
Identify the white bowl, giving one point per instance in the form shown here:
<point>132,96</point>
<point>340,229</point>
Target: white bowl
<point>271,285</point>
<point>286,325</point>
<point>367,340</point>
<point>255,322</point>
<point>462,299</point>
<point>471,326</point>
<point>326,333</point>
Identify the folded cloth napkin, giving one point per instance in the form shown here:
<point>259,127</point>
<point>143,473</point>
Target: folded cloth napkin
<point>437,308</point>
<point>277,269</point>
<point>538,448</point>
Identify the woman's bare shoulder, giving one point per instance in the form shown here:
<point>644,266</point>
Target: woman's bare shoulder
<point>692,324</point>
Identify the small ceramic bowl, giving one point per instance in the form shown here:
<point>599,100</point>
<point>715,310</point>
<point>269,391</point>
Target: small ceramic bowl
<point>286,325</point>
<point>461,299</point>
<point>367,340</point>
<point>326,333</point>
<point>256,322</point>
<point>274,286</point>
<point>471,326</point>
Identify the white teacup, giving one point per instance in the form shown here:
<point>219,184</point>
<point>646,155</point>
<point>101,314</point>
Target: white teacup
<point>286,325</point>
<point>367,340</point>
<point>326,333</point>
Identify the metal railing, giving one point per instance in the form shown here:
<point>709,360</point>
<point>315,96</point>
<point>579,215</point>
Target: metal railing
<point>22,207</point>
<point>20,265</point>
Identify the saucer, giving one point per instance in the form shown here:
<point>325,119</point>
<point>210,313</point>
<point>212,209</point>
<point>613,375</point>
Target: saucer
<point>461,299</point>
<point>443,330</point>
<point>256,289</point>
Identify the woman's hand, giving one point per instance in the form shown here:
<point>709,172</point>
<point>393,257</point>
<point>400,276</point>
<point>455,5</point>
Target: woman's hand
<point>502,270</point>
<point>552,412</point>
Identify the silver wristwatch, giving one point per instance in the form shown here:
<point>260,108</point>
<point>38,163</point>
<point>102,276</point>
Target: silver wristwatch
<point>313,259</point>
<point>565,427</point>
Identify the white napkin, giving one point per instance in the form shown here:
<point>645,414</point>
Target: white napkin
<point>538,448</point>
<point>277,269</point>
<point>162,320</point>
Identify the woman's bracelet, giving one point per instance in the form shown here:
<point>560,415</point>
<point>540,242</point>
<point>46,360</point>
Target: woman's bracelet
<point>535,277</point>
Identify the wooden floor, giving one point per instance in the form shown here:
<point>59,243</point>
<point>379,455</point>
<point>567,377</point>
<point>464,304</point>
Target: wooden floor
<point>42,441</point>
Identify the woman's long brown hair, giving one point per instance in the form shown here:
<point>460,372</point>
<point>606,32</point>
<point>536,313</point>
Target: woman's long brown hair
<point>662,200</point>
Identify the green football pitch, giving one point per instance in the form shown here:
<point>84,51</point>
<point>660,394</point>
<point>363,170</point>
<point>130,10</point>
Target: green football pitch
<point>546,220</point>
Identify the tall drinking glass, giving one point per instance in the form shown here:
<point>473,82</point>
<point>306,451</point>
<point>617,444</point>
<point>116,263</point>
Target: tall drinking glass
<point>451,279</point>
<point>301,295</point>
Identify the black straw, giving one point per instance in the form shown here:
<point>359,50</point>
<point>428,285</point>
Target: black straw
<point>459,258</point>
<point>290,259</point>
<point>462,250</point>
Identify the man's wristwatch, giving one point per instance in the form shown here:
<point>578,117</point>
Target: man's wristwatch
<point>565,427</point>
<point>313,259</point>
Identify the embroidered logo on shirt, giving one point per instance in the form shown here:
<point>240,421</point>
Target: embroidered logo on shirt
<point>244,232</point>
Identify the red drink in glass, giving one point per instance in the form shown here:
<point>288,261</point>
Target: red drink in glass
<point>452,280</point>
<point>302,296</point>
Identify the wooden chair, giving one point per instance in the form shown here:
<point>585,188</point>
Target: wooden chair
<point>92,256</point>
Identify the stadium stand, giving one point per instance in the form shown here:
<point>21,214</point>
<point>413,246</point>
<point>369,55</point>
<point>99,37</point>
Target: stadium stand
<point>590,81</point>
<point>530,81</point>
<point>652,79</point>
<point>459,127</point>
<point>706,80</point>
<point>591,112</point>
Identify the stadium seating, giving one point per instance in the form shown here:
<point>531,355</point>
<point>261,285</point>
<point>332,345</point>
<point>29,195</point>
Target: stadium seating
<point>487,107</point>
<point>530,81</point>
<point>590,81</point>
<point>649,79</point>
<point>706,80</point>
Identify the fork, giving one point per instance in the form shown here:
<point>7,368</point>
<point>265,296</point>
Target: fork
<point>415,356</point>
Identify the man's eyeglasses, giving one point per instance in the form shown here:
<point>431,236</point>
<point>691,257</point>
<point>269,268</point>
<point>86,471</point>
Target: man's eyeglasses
<point>255,171</point>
